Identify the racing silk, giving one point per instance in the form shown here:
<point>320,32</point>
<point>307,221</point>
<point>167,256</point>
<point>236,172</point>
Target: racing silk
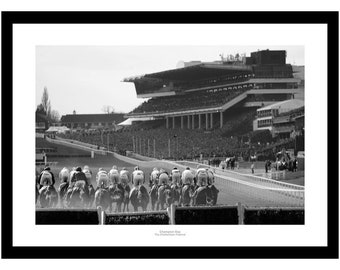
<point>186,195</point>
<point>46,179</point>
<point>154,193</point>
<point>213,193</point>
<point>175,192</point>
<point>200,196</point>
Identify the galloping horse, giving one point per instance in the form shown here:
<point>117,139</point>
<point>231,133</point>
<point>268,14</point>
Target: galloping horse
<point>139,196</point>
<point>175,185</point>
<point>115,188</point>
<point>212,190</point>
<point>102,196</point>
<point>164,192</point>
<point>187,188</point>
<point>48,196</point>
<point>153,183</point>
<point>64,176</point>
<point>77,195</point>
<point>124,179</point>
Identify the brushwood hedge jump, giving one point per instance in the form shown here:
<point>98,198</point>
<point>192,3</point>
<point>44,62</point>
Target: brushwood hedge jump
<point>203,215</point>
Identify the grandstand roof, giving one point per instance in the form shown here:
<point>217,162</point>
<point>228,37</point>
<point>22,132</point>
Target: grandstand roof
<point>204,70</point>
<point>92,118</point>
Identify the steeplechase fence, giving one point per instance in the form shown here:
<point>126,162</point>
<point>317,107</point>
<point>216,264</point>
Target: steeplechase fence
<point>192,215</point>
<point>58,216</point>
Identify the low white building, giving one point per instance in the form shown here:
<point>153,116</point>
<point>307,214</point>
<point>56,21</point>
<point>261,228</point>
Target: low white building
<point>265,115</point>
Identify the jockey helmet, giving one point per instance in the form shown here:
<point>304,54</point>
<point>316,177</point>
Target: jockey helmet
<point>114,167</point>
<point>78,169</point>
<point>187,177</point>
<point>124,176</point>
<point>201,177</point>
<point>154,175</point>
<point>163,178</point>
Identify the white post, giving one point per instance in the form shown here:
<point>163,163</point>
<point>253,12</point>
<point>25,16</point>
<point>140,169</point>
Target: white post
<point>154,148</point>
<point>92,154</point>
<point>221,119</point>
<point>100,215</point>
<point>172,214</point>
<point>148,147</point>
<point>169,148</point>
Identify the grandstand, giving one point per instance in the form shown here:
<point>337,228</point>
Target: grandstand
<point>200,96</point>
<point>203,108</point>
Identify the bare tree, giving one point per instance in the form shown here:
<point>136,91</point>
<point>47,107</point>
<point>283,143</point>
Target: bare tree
<point>54,116</point>
<point>108,109</point>
<point>45,102</point>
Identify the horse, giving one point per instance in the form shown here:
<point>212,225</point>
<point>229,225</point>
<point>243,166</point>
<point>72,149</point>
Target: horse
<point>187,188</point>
<point>153,184</point>
<point>164,197</point>
<point>89,188</point>
<point>175,186</point>
<point>102,198</point>
<point>117,195</point>
<point>48,197</point>
<point>124,179</point>
<point>102,195</point>
<point>77,196</point>
<point>139,197</point>
<point>212,191</point>
<point>164,191</point>
<point>64,176</point>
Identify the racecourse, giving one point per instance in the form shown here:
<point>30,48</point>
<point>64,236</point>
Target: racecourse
<point>228,195</point>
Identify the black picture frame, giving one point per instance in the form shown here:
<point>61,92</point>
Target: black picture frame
<point>10,18</point>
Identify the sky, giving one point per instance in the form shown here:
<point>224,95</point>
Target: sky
<point>85,78</point>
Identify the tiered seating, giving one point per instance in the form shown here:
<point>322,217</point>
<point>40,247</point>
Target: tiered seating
<point>189,101</point>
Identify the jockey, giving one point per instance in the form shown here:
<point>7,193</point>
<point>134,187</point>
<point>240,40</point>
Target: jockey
<point>213,191</point>
<point>163,178</point>
<point>124,182</point>
<point>46,169</point>
<point>102,179</point>
<point>113,176</point>
<point>187,188</point>
<point>64,175</point>
<point>138,177</point>
<point>175,184</point>
<point>88,174</point>
<point>153,177</point>
<point>200,195</point>
<point>45,179</point>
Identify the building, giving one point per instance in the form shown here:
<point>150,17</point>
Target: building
<point>41,123</point>
<point>92,121</point>
<point>279,117</point>
<point>199,94</point>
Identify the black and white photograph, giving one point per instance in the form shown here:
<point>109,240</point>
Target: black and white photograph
<point>206,135</point>
<point>138,135</point>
